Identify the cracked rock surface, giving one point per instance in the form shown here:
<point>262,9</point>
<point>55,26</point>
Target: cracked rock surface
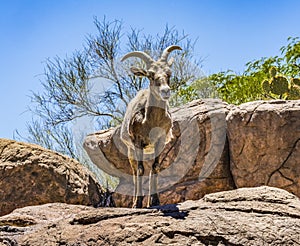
<point>246,216</point>
<point>264,144</point>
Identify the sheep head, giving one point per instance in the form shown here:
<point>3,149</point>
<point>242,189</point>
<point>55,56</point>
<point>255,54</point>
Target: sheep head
<point>158,72</point>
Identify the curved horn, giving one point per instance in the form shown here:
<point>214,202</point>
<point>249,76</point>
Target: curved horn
<point>142,55</point>
<point>167,51</point>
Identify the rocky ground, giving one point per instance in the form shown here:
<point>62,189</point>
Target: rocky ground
<point>247,216</point>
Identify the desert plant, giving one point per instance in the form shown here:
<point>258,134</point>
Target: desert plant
<point>247,86</point>
<point>294,92</point>
<point>279,86</point>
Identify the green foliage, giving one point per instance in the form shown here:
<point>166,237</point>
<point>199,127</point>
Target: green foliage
<point>259,80</point>
<point>183,95</point>
<point>237,89</point>
<point>200,88</point>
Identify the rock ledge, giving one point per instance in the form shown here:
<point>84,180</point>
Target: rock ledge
<point>246,216</point>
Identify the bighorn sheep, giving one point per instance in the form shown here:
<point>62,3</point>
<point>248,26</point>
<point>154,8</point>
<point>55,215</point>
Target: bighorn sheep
<point>147,123</point>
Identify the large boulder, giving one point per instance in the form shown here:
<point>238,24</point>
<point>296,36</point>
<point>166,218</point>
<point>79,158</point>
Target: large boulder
<point>32,175</point>
<point>257,144</point>
<point>253,216</point>
<point>264,142</point>
<point>195,162</point>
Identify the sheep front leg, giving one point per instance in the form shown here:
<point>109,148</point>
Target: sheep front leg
<point>131,157</point>
<point>138,172</point>
<point>153,199</point>
<point>153,194</point>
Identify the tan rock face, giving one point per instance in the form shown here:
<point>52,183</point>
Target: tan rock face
<point>264,144</point>
<point>261,147</point>
<point>253,216</point>
<point>194,163</point>
<point>31,175</point>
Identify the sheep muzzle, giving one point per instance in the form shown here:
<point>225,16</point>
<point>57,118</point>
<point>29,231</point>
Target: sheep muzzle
<point>165,92</point>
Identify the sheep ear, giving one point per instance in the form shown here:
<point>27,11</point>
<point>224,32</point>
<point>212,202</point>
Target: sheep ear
<point>138,71</point>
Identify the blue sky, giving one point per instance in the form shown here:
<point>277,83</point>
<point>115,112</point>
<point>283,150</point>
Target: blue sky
<point>230,33</point>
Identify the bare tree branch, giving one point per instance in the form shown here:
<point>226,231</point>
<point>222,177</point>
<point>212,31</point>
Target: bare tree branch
<point>69,83</point>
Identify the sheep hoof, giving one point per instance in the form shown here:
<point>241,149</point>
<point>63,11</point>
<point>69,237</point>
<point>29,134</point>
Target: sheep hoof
<point>138,203</point>
<point>154,200</point>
